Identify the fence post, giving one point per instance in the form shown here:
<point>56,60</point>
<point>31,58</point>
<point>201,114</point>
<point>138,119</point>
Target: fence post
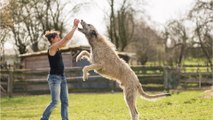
<point>10,84</point>
<point>166,80</point>
<point>171,77</point>
<point>200,77</point>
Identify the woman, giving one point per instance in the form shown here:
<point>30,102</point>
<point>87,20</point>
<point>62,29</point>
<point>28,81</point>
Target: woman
<point>56,79</point>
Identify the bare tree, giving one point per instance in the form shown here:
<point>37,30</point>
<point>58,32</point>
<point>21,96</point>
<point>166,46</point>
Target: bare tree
<point>28,19</point>
<point>10,16</point>
<point>146,43</point>
<point>177,36</point>
<point>3,33</point>
<point>121,26</point>
<point>202,16</point>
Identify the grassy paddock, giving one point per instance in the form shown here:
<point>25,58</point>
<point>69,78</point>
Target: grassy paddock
<point>187,105</point>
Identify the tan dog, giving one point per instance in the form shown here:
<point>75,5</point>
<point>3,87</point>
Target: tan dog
<point>107,63</point>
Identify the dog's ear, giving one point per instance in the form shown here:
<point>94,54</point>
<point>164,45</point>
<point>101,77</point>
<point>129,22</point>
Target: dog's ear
<point>93,32</point>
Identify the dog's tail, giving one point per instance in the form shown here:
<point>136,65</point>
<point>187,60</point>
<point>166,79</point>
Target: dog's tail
<point>150,97</point>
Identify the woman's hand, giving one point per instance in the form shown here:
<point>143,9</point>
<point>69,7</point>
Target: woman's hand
<point>76,22</point>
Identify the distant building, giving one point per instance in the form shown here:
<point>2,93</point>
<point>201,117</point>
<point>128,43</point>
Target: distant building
<point>39,60</point>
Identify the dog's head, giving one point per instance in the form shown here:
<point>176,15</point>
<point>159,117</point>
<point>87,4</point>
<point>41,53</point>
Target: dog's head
<point>88,30</point>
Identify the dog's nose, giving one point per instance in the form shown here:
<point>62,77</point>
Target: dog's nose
<point>83,22</point>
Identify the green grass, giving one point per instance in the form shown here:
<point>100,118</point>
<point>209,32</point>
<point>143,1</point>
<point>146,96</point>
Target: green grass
<point>187,61</point>
<point>195,61</point>
<point>108,106</point>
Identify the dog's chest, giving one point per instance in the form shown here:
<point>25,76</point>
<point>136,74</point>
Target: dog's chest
<point>98,56</point>
<point>95,57</point>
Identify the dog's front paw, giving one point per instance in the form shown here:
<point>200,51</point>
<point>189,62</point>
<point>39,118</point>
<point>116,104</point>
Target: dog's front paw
<point>78,58</point>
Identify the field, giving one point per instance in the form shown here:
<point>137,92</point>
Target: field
<point>188,105</point>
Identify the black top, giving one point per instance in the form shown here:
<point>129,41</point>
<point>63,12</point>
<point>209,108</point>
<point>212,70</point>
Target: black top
<point>56,63</point>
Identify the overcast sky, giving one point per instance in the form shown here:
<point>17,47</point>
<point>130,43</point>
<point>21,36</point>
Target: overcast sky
<point>160,11</point>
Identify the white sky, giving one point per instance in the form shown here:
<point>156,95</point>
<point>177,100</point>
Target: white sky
<point>160,11</point>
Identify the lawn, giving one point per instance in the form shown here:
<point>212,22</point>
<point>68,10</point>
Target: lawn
<point>188,105</point>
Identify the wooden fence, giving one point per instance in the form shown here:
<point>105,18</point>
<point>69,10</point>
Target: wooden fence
<point>194,76</point>
<point>151,77</point>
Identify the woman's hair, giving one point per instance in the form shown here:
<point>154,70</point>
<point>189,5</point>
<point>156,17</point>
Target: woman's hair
<point>51,34</point>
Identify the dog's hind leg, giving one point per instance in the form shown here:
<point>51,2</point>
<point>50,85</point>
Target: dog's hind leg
<point>130,97</point>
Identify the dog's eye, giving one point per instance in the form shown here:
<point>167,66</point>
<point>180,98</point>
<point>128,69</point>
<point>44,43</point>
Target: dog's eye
<point>89,25</point>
